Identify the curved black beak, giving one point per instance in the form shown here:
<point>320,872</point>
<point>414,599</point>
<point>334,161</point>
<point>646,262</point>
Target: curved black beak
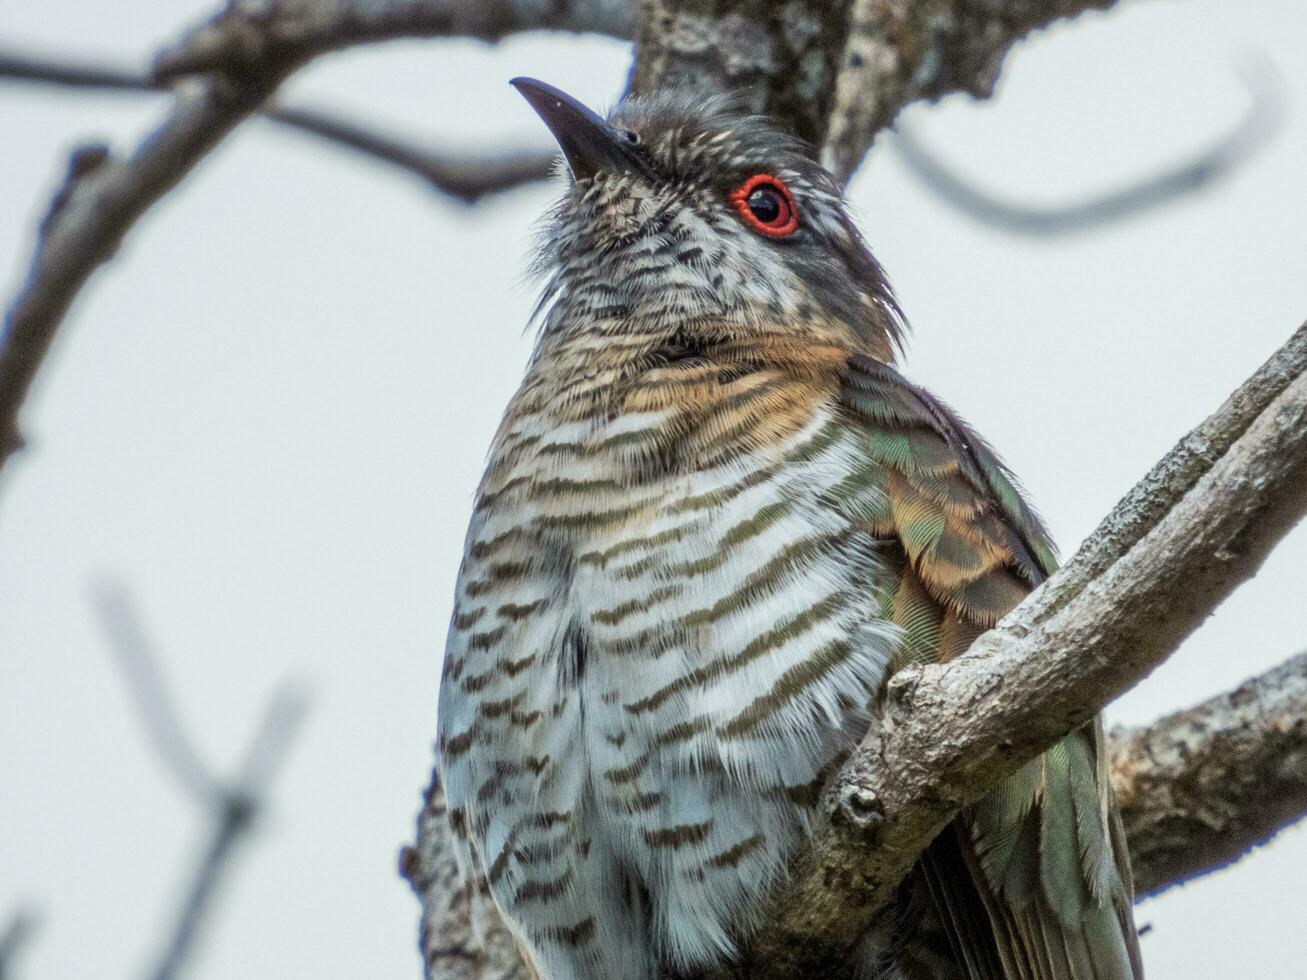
<point>588,143</point>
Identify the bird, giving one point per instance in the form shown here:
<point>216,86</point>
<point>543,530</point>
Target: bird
<point>714,520</point>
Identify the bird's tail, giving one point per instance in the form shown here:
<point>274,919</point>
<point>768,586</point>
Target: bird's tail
<point>1033,882</point>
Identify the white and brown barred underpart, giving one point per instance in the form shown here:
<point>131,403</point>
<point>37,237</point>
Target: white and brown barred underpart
<point>662,632</point>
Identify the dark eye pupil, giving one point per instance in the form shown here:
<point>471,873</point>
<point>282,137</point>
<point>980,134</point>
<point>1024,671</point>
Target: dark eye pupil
<point>765,204</point>
<point>630,137</point>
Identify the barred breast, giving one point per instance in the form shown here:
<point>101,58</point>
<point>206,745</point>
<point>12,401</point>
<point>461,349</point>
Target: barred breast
<point>664,638</point>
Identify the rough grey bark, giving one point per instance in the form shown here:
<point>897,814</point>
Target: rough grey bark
<point>781,58</point>
<point>1185,782</point>
<point>836,73</point>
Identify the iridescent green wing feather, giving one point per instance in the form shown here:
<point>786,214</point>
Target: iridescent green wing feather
<point>1038,867</point>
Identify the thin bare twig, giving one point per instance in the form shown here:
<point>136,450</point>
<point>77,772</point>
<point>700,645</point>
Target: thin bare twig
<point>234,805</point>
<point>154,701</point>
<point>467,178</point>
<point>17,934</point>
<point>242,802</point>
<point>73,73</point>
<point>240,56</point>
<point>1264,118</point>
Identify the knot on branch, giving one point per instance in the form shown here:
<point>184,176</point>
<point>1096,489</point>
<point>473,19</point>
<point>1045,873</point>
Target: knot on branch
<point>901,688</point>
<point>858,806</point>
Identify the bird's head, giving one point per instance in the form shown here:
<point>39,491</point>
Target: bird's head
<point>693,215</point>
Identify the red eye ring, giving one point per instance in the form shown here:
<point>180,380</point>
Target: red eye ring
<point>767,205</point>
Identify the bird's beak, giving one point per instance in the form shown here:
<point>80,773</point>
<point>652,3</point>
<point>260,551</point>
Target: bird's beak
<point>590,145</point>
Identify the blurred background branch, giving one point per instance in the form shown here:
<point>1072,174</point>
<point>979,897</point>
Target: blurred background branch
<point>467,178</point>
<point>234,805</point>
<point>1264,118</point>
<point>17,933</point>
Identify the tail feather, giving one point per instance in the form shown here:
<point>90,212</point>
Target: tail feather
<point>1033,882</point>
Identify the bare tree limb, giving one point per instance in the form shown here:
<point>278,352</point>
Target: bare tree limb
<point>154,702</point>
<point>242,55</point>
<point>1265,116</point>
<point>468,178</point>
<point>100,200</point>
<point>251,33</point>
<point>1170,480</point>
<point>235,804</point>
<point>74,73</point>
<point>1201,787</point>
<point>950,731</point>
<point>242,803</point>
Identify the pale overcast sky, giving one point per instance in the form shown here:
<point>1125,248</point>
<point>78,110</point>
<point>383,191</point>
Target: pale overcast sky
<point>270,412</point>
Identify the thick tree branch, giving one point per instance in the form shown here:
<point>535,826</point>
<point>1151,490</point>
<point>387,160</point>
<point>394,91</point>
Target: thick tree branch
<point>948,732</point>
<point>250,33</point>
<point>1201,787</point>
<point>781,58</point>
<point>1198,790</point>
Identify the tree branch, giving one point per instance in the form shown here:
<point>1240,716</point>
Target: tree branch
<point>1265,116</point>
<point>950,731</point>
<point>780,58</point>
<point>235,805</point>
<point>1198,790</point>
<point>468,178</point>
<point>1201,787</point>
<point>101,198</point>
<point>242,55</point>
<point>898,53</point>
<point>250,33</point>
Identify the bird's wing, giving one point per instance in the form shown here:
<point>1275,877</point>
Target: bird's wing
<point>1038,868</point>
